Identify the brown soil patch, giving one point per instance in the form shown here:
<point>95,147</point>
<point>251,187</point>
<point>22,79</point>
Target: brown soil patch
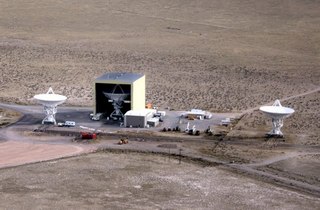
<point>18,153</point>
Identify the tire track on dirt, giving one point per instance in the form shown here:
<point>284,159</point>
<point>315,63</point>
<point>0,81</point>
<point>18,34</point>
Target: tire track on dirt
<point>282,99</point>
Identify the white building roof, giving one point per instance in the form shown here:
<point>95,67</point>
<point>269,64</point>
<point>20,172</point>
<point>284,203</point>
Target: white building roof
<point>142,112</point>
<point>154,119</point>
<point>120,77</point>
<point>197,112</point>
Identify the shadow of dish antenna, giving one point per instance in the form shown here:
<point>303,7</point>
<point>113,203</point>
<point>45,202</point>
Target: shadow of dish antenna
<point>277,113</point>
<point>50,101</point>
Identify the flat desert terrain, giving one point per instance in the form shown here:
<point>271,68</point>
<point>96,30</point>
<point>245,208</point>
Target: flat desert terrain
<point>138,181</point>
<point>7,117</point>
<point>222,56</point>
<point>219,55</point>
<point>210,54</point>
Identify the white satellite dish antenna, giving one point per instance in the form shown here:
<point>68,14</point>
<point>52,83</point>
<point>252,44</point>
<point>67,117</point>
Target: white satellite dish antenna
<point>277,113</point>
<point>117,99</point>
<point>50,101</point>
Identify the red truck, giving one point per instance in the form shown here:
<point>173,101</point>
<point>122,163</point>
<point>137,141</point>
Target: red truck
<point>88,135</point>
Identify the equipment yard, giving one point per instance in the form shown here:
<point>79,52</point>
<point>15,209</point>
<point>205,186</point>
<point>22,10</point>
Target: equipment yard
<point>226,57</point>
<point>183,171</point>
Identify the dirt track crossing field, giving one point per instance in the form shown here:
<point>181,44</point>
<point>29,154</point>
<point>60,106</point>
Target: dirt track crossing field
<point>138,181</point>
<point>222,56</point>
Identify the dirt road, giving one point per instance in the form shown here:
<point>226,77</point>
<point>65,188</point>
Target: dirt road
<point>221,56</point>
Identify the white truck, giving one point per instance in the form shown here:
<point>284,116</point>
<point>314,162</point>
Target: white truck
<point>67,124</point>
<point>225,122</point>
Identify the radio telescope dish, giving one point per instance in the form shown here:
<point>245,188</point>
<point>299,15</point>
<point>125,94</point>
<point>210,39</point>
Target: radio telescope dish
<point>117,99</point>
<point>50,101</point>
<point>277,112</point>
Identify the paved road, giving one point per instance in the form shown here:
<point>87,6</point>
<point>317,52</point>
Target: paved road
<point>33,115</point>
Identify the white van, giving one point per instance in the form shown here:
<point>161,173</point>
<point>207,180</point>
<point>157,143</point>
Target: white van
<point>70,124</point>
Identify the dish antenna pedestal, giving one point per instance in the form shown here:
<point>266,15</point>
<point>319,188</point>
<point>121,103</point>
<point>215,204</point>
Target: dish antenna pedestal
<point>117,99</point>
<point>277,112</point>
<point>50,101</point>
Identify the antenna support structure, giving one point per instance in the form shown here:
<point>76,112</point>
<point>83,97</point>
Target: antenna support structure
<point>277,123</point>
<point>277,113</point>
<point>117,100</point>
<point>50,110</point>
<point>50,101</point>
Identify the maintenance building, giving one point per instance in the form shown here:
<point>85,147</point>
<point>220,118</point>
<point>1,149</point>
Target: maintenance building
<point>138,118</point>
<point>117,93</point>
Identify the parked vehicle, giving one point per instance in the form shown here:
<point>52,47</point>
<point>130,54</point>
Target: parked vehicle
<point>88,135</point>
<point>70,123</point>
<point>123,141</point>
<point>61,124</point>
<point>225,122</point>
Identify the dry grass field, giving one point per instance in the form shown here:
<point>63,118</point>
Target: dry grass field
<point>215,55</point>
<point>219,55</point>
<point>301,128</point>
<point>138,181</point>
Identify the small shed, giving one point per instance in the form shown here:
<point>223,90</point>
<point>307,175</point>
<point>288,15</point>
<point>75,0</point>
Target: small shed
<point>196,114</point>
<point>153,122</point>
<point>138,118</point>
<point>199,114</point>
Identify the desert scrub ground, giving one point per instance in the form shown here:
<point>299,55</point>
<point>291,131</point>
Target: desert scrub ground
<point>8,116</point>
<point>138,181</point>
<point>302,127</point>
<point>219,56</point>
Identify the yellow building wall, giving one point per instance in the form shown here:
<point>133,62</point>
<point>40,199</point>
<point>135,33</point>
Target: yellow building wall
<point>138,94</point>
<point>94,99</point>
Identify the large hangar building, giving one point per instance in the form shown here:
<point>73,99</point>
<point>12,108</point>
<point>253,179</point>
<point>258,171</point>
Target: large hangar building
<point>117,93</point>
